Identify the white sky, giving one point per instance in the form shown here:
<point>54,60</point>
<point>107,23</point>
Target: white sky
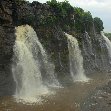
<point>99,8</point>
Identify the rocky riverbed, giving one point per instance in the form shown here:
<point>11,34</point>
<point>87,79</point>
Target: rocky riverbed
<point>94,95</point>
<point>99,99</point>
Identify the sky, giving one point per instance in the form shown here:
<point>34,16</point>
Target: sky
<point>98,8</point>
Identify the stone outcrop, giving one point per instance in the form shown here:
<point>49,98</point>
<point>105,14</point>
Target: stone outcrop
<point>14,13</point>
<point>7,40</point>
<point>95,53</point>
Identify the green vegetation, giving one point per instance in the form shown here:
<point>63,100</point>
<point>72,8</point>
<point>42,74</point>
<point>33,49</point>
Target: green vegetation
<point>20,2</point>
<point>108,35</point>
<point>98,24</point>
<point>73,18</point>
<point>83,20</point>
<point>69,18</point>
<point>62,11</point>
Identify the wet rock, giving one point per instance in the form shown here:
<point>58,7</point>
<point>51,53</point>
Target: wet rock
<point>102,100</point>
<point>7,40</point>
<point>95,53</point>
<point>14,13</point>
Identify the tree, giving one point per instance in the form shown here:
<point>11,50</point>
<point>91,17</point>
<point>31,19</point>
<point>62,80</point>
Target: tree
<point>108,35</point>
<point>98,23</point>
<point>87,21</point>
<point>73,18</point>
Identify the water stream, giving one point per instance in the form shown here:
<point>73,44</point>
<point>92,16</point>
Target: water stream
<point>108,44</point>
<point>34,74</point>
<point>32,71</point>
<point>75,59</point>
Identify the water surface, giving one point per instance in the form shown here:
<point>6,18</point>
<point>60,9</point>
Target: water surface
<point>65,99</point>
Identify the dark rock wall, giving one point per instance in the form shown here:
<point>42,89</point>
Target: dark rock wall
<point>51,36</point>
<point>95,53</point>
<point>7,40</point>
<point>55,43</point>
<point>14,13</point>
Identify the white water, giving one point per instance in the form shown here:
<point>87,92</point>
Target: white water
<point>76,60</point>
<point>108,44</point>
<point>28,54</point>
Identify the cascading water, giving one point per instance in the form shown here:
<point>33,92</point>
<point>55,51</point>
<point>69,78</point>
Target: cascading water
<point>108,44</point>
<point>76,60</point>
<point>28,57</point>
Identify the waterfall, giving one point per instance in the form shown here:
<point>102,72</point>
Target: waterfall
<point>29,60</point>
<point>108,44</point>
<point>75,59</point>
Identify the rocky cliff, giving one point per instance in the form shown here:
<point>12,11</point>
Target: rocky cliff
<point>95,53</point>
<point>14,13</point>
<point>7,39</point>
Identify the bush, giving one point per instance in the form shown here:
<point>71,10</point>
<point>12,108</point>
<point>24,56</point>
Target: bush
<point>98,23</point>
<point>76,18</point>
<point>108,35</point>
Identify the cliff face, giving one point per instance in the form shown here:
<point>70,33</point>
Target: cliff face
<point>7,39</point>
<point>13,13</point>
<point>94,49</point>
<point>51,36</point>
<point>95,53</point>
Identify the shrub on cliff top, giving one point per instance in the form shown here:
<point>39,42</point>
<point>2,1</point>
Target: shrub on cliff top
<point>76,18</point>
<point>60,9</point>
<point>108,35</point>
<point>67,16</point>
<point>98,24</point>
<point>20,2</point>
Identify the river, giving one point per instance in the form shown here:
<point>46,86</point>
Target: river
<point>63,99</point>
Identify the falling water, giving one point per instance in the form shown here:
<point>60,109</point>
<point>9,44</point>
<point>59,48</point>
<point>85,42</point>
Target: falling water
<point>76,60</point>
<point>28,57</point>
<point>108,44</point>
